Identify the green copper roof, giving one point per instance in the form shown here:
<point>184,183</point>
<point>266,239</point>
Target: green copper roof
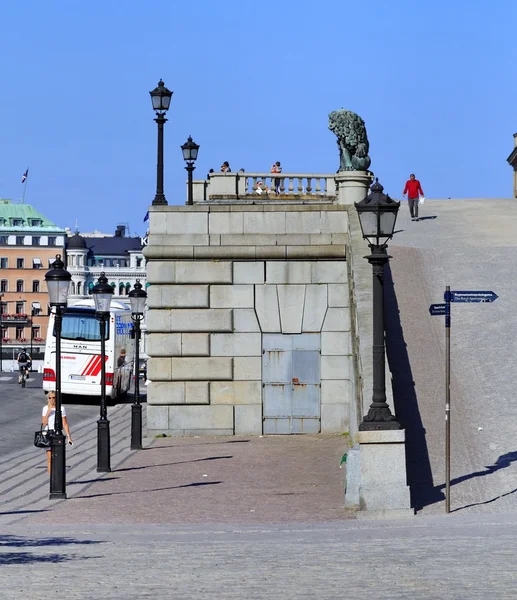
<point>10,211</point>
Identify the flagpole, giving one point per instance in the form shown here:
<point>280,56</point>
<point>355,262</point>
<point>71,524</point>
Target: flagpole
<point>25,185</point>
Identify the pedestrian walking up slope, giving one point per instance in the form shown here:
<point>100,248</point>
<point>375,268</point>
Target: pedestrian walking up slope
<point>469,245</point>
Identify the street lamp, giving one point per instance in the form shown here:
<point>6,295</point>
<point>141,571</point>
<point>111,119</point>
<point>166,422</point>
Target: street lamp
<point>161,99</point>
<point>377,216</point>
<point>58,282</point>
<point>137,297</point>
<point>190,150</point>
<point>34,312</point>
<point>102,293</point>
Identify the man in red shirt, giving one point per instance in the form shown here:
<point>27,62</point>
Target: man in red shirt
<point>412,189</point>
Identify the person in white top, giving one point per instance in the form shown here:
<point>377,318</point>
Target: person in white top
<point>48,421</point>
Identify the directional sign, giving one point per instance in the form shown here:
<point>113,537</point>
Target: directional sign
<point>437,309</point>
<point>472,296</point>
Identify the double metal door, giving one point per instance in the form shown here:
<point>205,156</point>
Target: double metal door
<point>291,383</point>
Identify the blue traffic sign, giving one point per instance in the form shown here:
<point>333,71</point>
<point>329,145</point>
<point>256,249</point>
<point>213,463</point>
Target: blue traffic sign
<point>437,309</point>
<point>473,296</point>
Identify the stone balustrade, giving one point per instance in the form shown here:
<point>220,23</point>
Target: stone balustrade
<point>241,185</point>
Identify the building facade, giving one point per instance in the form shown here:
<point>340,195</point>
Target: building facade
<point>29,243</point>
<point>118,256</point>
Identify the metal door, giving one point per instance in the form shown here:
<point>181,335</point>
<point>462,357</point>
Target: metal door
<point>291,383</point>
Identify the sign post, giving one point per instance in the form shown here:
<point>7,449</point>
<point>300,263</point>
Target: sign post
<point>447,399</point>
<point>445,310</point>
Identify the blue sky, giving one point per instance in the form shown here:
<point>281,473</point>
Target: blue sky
<point>253,83</point>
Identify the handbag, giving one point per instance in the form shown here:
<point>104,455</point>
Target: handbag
<point>421,200</point>
<point>42,439</point>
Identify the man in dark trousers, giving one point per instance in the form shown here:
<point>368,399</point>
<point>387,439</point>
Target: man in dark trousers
<point>413,189</point>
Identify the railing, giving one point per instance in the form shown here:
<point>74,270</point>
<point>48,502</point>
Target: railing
<point>283,186</point>
<point>15,318</point>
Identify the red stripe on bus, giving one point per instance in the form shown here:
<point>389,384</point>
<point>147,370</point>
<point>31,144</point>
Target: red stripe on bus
<point>88,364</point>
<point>91,369</point>
<point>98,366</point>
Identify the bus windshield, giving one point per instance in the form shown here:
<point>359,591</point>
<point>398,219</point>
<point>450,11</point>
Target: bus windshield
<point>81,325</point>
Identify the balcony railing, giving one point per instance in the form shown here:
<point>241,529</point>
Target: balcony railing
<point>15,317</point>
<point>263,187</point>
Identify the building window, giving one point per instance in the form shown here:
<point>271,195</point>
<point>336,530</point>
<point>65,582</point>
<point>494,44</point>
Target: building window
<point>37,222</point>
<point>121,289</point>
<point>20,240</point>
<point>72,288</point>
<point>3,308</point>
<point>4,262</point>
<point>138,261</point>
<point>78,287</point>
<point>36,239</point>
<point>19,308</point>
<point>4,240</point>
<point>52,241</point>
<point>4,285</point>
<point>19,285</point>
<point>36,331</point>
<point>36,263</point>
<point>19,334</point>
<point>70,261</point>
<point>35,286</point>
<point>5,333</point>
<point>20,262</point>
<point>17,222</point>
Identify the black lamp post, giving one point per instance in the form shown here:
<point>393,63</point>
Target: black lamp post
<point>377,215</point>
<point>58,282</point>
<point>190,150</point>
<point>161,99</point>
<point>102,293</point>
<point>137,297</point>
<point>33,313</point>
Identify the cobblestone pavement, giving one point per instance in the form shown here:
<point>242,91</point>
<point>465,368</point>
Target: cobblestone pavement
<point>421,558</point>
<point>469,245</point>
<point>211,480</point>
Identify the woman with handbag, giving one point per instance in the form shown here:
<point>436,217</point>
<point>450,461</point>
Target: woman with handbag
<point>48,419</point>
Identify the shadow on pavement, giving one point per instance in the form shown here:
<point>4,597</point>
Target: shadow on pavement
<point>173,487</point>
<point>21,512</point>
<point>181,462</point>
<point>84,482</point>
<point>22,542</point>
<point>420,477</point>
<point>23,558</point>
<point>197,444</point>
<point>427,218</point>
<point>504,461</point>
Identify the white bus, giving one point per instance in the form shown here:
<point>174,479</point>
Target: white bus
<point>81,351</point>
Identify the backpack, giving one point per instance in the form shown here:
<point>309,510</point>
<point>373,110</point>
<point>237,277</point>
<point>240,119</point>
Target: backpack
<point>22,358</point>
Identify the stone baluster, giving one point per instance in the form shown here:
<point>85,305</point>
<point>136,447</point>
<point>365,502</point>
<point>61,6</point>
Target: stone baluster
<point>308,187</point>
<point>300,185</point>
<point>290,188</point>
<point>317,190</point>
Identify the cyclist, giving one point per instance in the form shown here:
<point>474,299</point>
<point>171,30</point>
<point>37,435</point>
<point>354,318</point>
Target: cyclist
<point>24,361</point>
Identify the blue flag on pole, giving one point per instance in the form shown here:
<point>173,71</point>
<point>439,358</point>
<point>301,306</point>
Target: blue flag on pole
<point>146,218</point>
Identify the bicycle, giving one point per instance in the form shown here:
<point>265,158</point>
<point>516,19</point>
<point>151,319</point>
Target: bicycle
<point>24,375</point>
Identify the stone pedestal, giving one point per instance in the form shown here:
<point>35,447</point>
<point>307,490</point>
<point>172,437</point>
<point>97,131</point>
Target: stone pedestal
<point>353,186</point>
<point>383,491</point>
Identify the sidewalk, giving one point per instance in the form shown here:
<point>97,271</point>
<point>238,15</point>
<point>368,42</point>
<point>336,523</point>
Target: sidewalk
<point>218,480</point>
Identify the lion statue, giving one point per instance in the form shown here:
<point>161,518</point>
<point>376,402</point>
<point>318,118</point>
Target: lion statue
<point>351,140</point>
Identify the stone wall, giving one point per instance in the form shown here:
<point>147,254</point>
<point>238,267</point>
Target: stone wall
<point>223,276</point>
